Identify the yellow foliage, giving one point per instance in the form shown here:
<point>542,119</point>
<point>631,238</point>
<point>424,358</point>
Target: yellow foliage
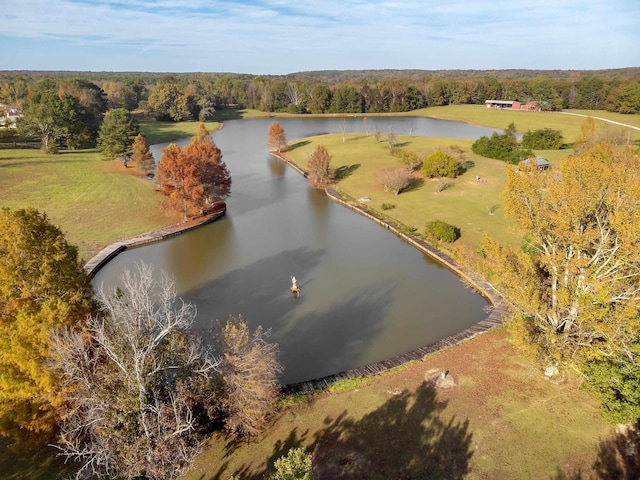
<point>42,287</point>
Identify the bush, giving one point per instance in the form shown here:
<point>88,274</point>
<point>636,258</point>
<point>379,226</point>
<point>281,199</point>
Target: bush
<point>408,158</point>
<point>503,147</point>
<point>295,465</point>
<point>439,230</point>
<point>388,206</point>
<point>440,165</point>
<point>543,139</point>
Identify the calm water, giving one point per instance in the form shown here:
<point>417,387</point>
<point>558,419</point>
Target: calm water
<point>366,294</point>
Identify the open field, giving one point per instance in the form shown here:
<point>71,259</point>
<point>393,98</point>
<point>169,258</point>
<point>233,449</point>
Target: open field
<point>469,204</point>
<point>86,196</point>
<point>89,199</point>
<point>569,125</point>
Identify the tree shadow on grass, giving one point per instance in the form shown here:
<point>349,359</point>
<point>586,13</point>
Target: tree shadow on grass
<point>403,439</point>
<point>300,144</point>
<point>414,184</point>
<point>618,458</point>
<point>345,171</point>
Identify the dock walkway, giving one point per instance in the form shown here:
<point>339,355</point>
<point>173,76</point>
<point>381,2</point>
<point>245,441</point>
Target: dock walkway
<point>109,252</point>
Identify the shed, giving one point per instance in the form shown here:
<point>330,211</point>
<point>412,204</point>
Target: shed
<point>540,162</point>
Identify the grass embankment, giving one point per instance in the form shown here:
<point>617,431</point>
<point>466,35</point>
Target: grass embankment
<point>91,200</point>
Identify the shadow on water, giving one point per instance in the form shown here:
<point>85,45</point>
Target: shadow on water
<point>325,339</point>
<point>405,438</point>
<point>316,336</point>
<point>277,167</point>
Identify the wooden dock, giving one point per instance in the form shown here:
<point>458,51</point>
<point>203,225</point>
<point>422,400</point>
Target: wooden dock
<point>476,281</point>
<point>109,252</point>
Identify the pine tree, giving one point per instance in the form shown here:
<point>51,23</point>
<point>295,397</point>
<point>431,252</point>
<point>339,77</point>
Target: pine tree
<point>142,158</point>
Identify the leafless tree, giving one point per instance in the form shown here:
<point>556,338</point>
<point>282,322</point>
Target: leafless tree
<point>250,368</point>
<point>395,179</point>
<point>134,382</point>
<point>343,129</point>
<point>293,93</point>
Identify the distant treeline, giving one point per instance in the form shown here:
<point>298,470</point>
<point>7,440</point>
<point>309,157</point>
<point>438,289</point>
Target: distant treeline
<point>198,95</point>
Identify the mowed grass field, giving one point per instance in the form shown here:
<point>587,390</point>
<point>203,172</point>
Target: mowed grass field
<point>471,201</point>
<point>499,418</point>
<point>94,202</point>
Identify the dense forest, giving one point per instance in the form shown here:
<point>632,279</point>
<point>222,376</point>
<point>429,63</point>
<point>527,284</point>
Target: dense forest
<point>179,96</point>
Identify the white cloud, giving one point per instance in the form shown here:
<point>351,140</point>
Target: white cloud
<point>386,33</point>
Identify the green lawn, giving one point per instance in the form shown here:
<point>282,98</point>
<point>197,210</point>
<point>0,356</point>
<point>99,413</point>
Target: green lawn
<point>160,132</point>
<point>569,125</point>
<point>89,199</point>
<point>469,204</point>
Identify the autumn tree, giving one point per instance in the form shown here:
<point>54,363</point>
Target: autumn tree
<point>320,172</point>
<point>395,180</point>
<point>142,158</point>
<point>410,159</point>
<point>117,133</point>
<point>249,367</point>
<point>167,101</point>
<point>576,283</point>
<point>42,286</point>
<point>141,388</point>
<point>276,138</point>
<point>193,178</point>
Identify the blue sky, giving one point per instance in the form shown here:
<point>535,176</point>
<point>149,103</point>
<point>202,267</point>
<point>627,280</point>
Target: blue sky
<point>279,36</point>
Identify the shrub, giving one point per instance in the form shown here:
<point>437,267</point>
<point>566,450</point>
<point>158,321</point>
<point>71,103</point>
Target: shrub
<point>439,230</point>
<point>503,147</point>
<point>409,159</point>
<point>440,165</point>
<point>543,139</point>
<point>295,465</point>
<point>395,179</point>
<point>388,206</point>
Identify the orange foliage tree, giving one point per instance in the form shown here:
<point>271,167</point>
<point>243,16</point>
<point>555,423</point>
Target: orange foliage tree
<point>276,139</point>
<point>194,178</point>
<point>320,172</point>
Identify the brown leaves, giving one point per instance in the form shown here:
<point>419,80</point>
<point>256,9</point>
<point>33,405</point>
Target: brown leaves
<point>193,178</point>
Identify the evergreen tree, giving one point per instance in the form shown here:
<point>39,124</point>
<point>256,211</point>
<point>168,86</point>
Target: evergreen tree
<point>117,133</point>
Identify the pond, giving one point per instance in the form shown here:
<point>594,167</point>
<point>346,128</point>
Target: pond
<point>366,294</point>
